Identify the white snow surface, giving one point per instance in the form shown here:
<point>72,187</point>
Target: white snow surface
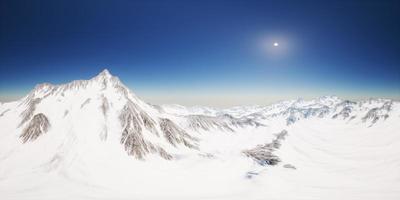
<point>339,149</point>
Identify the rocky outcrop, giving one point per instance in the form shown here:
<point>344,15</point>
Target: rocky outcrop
<point>295,114</point>
<point>345,109</point>
<point>148,122</point>
<point>132,137</point>
<point>202,122</point>
<point>374,115</point>
<point>378,113</point>
<point>289,166</point>
<point>176,135</point>
<point>239,122</point>
<point>30,109</point>
<point>134,142</point>
<point>263,154</point>
<point>223,122</point>
<point>36,127</point>
<point>104,105</point>
<point>86,102</point>
<point>344,113</point>
<point>132,119</point>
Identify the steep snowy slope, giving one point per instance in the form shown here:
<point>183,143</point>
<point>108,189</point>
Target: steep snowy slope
<point>95,139</point>
<point>89,111</point>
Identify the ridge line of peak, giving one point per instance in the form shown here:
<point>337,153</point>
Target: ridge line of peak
<point>105,73</point>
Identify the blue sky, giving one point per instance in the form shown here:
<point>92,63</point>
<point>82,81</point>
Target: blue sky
<point>205,52</point>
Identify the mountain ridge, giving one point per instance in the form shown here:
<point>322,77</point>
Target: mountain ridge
<point>144,129</point>
<point>99,140</point>
<point>147,129</point>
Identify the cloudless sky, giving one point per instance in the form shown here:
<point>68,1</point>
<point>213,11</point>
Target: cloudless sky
<point>205,52</point>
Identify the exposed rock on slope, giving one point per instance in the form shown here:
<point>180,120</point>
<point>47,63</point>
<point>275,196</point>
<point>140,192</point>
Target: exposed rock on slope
<point>132,136</point>
<point>176,135</point>
<point>378,113</point>
<point>344,113</point>
<point>148,123</point>
<point>224,122</point>
<point>263,154</point>
<point>36,127</point>
<point>296,114</point>
<point>86,102</point>
<point>104,105</point>
<point>197,122</point>
<point>134,121</point>
<point>4,112</point>
<point>30,109</point>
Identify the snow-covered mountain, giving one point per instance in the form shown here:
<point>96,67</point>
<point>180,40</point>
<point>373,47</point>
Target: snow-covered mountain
<point>95,139</point>
<point>368,111</point>
<point>103,107</point>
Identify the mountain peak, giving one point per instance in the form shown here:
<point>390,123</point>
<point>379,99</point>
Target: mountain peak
<point>105,77</point>
<point>103,80</point>
<point>105,73</point>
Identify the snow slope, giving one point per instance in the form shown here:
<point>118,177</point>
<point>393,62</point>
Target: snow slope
<point>95,139</point>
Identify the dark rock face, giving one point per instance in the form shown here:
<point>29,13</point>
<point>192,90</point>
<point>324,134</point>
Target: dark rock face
<point>202,122</point>
<point>132,119</point>
<point>376,114</point>
<point>104,105</point>
<point>176,135</point>
<point>36,127</point>
<point>263,154</point>
<point>148,123</point>
<point>291,120</point>
<point>344,113</point>
<point>133,142</point>
<point>28,112</point>
<point>224,122</point>
<point>132,137</point>
<point>294,114</point>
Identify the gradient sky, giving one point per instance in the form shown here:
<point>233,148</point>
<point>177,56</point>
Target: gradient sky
<point>217,53</point>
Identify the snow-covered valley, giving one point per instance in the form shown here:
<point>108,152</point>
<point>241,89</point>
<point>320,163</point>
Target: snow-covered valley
<point>95,139</point>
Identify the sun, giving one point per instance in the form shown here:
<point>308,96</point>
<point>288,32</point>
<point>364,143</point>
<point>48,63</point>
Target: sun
<point>276,44</point>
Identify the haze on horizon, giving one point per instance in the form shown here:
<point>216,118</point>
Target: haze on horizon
<point>215,53</point>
